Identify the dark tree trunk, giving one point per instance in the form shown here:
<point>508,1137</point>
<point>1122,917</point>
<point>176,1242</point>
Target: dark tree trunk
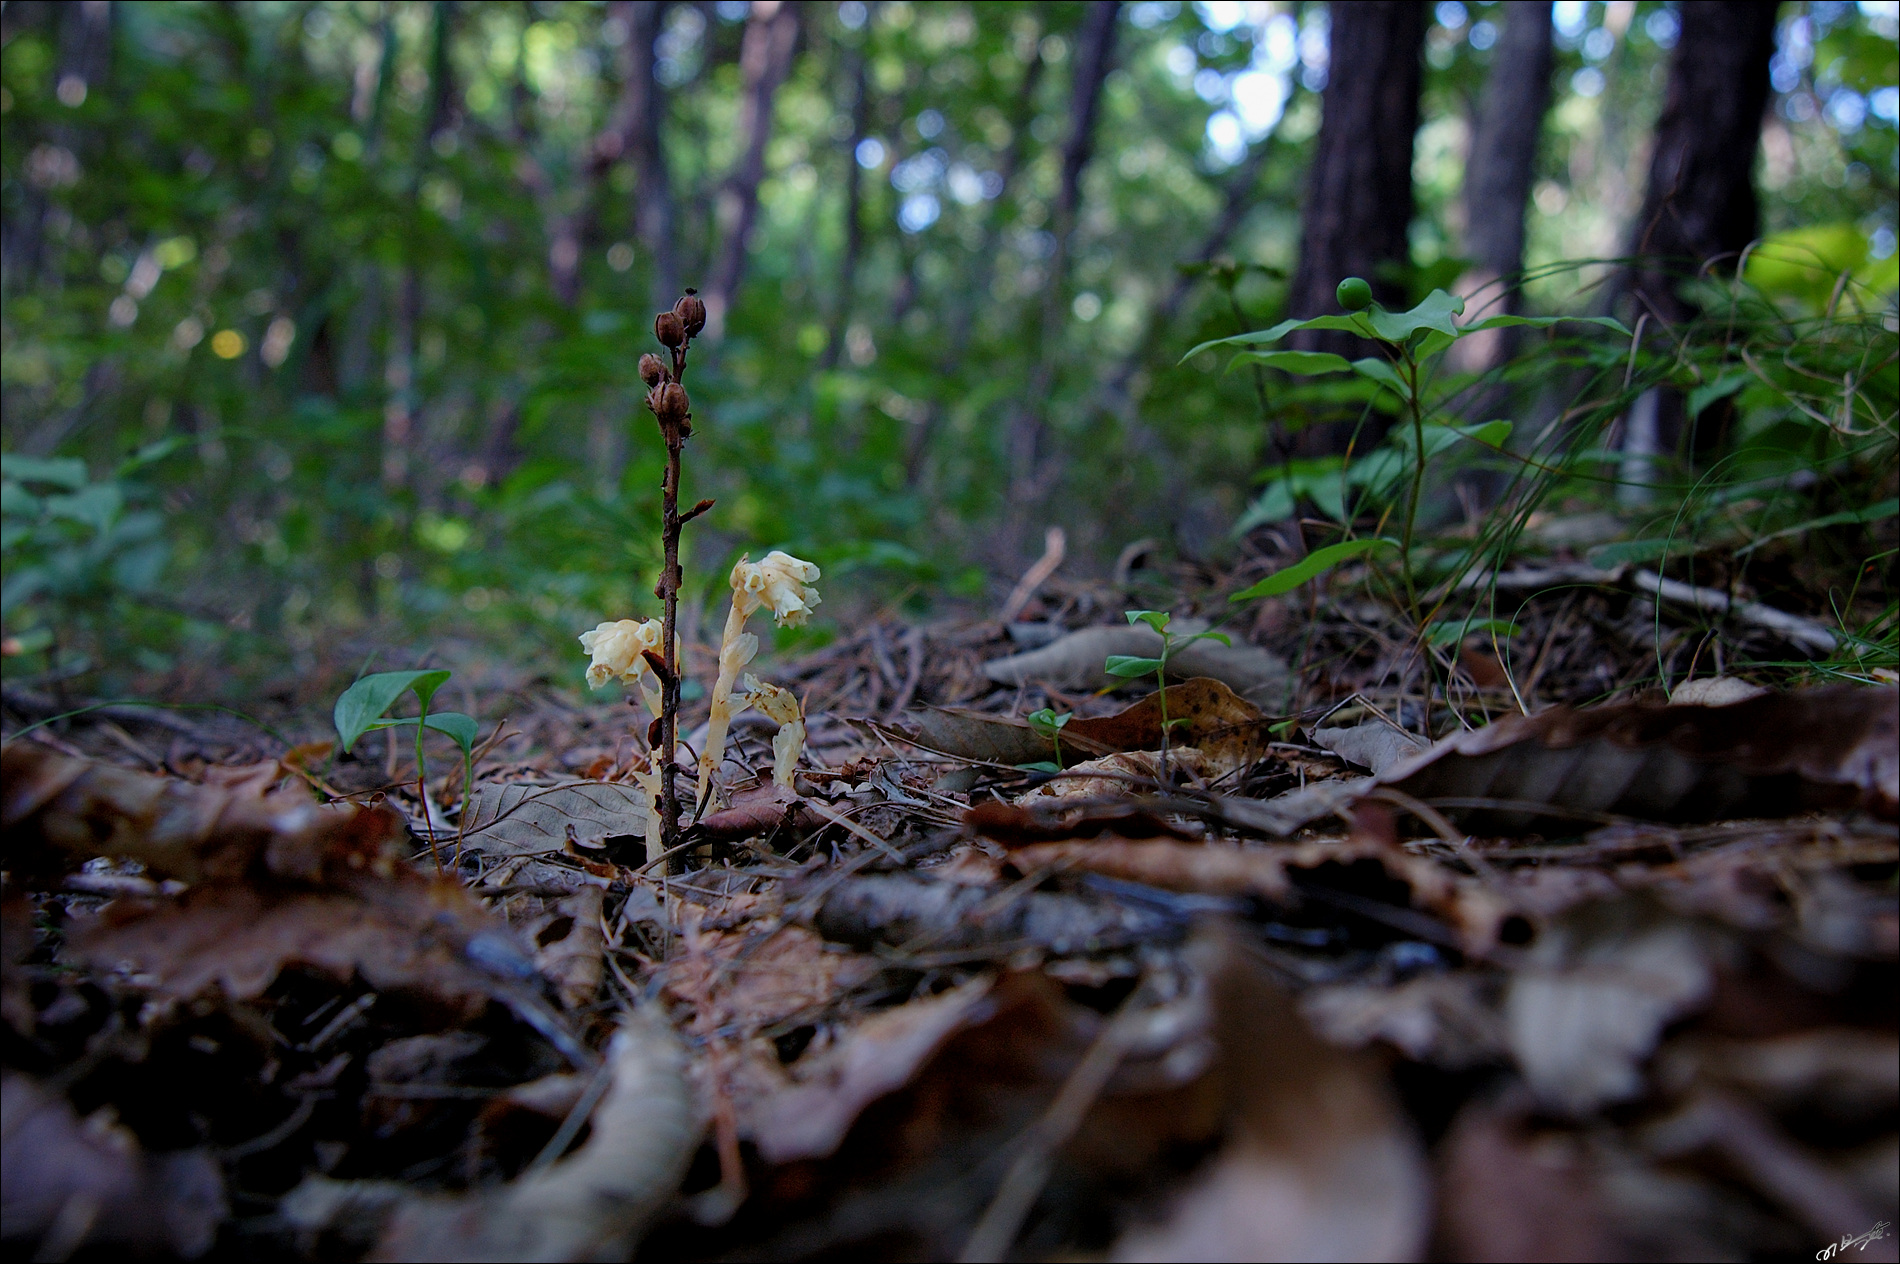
<point>765,58</point>
<point>1699,210</point>
<point>858,66</point>
<point>1498,174</point>
<point>636,132</point>
<point>1094,55</point>
<point>1358,212</point>
<point>1700,204</point>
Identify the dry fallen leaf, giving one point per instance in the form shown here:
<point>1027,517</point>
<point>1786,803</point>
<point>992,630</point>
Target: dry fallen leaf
<point>69,1183</point>
<point>1321,1163</point>
<point>1074,663</point>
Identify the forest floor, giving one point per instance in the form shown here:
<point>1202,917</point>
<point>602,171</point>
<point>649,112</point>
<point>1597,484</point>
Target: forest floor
<point>1352,956</point>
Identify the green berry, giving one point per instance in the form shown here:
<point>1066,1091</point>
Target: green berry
<point>1354,294</point>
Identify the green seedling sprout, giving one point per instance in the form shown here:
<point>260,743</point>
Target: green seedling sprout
<point>1049,723</point>
<point>364,706</point>
<point>1130,666</point>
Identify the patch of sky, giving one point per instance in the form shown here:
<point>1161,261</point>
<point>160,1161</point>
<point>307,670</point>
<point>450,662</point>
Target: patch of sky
<point>1846,110</point>
<point>1483,35</point>
<point>1450,14</point>
<point>1180,61</point>
<point>1587,82</point>
<point>919,172</point>
<point>870,153</point>
<point>1152,13</point>
<point>919,211</point>
<point>1663,26</point>
<point>1884,103</point>
<point>851,14</point>
<point>1598,44</point>
<point>1569,17</point>
<point>930,124</point>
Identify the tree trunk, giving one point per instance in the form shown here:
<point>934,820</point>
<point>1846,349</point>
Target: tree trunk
<point>1094,54</point>
<point>636,131</point>
<point>1358,213</point>
<point>765,58</point>
<point>858,67</point>
<point>1699,209</point>
<point>1700,204</point>
<point>1498,175</point>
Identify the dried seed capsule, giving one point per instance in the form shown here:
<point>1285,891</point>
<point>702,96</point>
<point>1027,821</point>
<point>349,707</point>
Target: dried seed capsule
<point>669,329</point>
<point>669,403</point>
<point>692,312</point>
<point>652,371</point>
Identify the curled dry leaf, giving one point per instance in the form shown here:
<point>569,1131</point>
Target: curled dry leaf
<point>1320,1162</point>
<point>1074,663</point>
<point>59,811</point>
<point>1228,730</point>
<point>1771,755</point>
<point>67,1183</point>
<point>593,1204</point>
<point>809,1118</point>
<point>1050,820</point>
<point>572,948</point>
<point>510,819</point>
<point>1374,745</point>
<point>1588,1007</point>
<point>237,939</point>
<point>928,916</point>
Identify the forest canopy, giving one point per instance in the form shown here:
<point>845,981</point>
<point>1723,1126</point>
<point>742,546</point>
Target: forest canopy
<point>338,304</point>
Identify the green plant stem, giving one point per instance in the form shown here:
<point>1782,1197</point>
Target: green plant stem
<point>422,787</point>
<point>1410,366</point>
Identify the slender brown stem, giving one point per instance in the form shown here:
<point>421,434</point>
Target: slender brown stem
<point>670,685</point>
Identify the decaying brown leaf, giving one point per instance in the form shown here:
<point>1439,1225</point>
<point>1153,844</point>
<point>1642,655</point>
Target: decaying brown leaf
<point>1057,817</point>
<point>591,1205</point>
<point>514,818</point>
<point>59,811</point>
<point>1320,1164</point>
<point>1770,755</point>
<point>234,941</point>
<point>1228,730</point>
<point>68,1183</point>
<point>1074,663</point>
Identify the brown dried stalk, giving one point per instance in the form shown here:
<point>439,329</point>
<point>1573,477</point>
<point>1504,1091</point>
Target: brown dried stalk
<point>666,397</point>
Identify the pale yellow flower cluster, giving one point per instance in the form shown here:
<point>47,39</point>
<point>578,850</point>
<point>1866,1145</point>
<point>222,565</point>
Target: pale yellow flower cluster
<point>780,705</point>
<point>617,650</point>
<point>780,581</point>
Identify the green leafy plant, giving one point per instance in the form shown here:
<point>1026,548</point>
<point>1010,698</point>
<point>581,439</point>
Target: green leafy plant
<point>363,708</point>
<point>1049,723</point>
<point>74,544</point>
<point>1131,666</point>
<point>1410,344</point>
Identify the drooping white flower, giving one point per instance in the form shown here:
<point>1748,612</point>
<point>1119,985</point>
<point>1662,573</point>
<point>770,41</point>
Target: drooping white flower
<point>780,705</point>
<point>617,647</point>
<point>780,581</point>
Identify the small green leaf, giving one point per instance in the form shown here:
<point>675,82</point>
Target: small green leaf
<point>1702,396</point>
<point>462,728</point>
<point>1438,310</point>
<point>1283,727</point>
<point>1872,513</point>
<point>1260,338</point>
<point>1127,666</point>
<point>363,703</point>
<point>1041,765</point>
<point>1453,631</point>
<point>1156,619</point>
<point>1222,637</point>
<point>1384,374</point>
<point>1313,564</point>
<point>67,472</point>
<point>1543,322</point>
<point>1300,362</point>
<point>1048,722</point>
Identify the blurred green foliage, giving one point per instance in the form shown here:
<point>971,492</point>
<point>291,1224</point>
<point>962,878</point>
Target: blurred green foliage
<point>311,250</point>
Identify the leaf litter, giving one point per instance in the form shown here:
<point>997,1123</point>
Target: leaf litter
<point>1601,981</point>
